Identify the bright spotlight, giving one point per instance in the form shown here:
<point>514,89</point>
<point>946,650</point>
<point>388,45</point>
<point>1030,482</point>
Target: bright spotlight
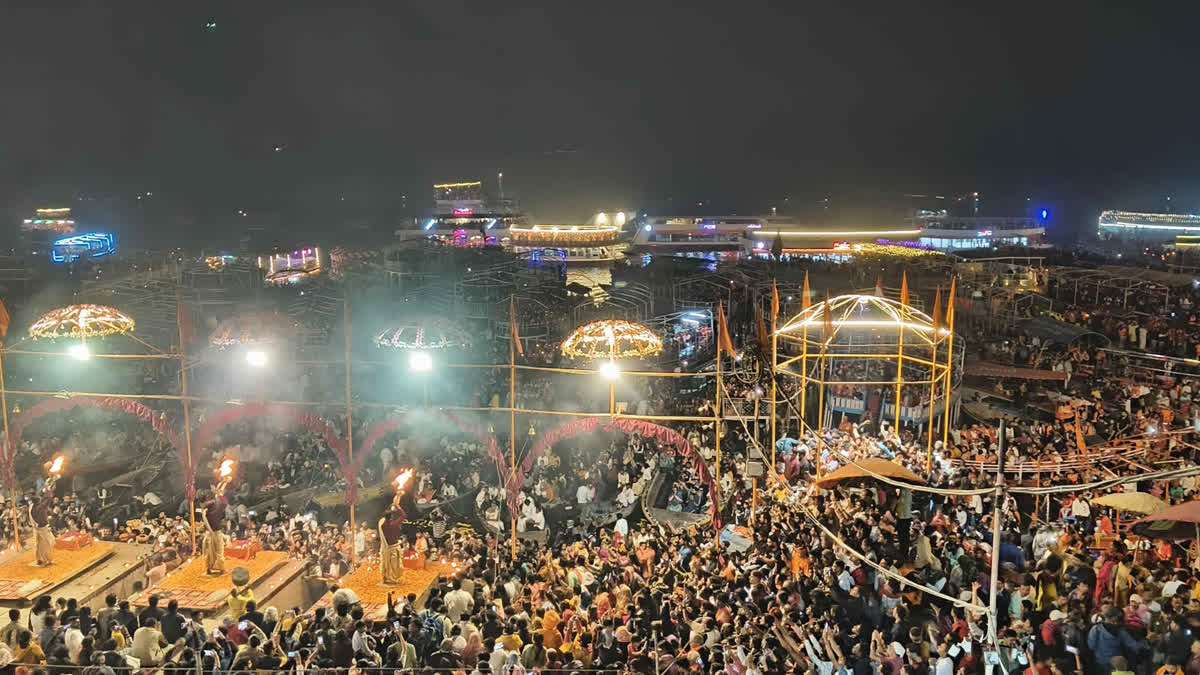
<point>256,358</point>
<point>602,218</point>
<point>79,352</point>
<point>420,362</point>
<point>620,218</point>
<point>609,370</point>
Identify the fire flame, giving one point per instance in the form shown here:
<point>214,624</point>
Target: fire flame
<point>56,466</point>
<point>226,468</point>
<point>403,478</point>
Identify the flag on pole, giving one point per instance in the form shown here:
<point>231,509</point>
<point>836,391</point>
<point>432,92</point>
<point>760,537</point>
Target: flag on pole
<point>723,341</point>
<point>764,337</point>
<point>777,246</point>
<point>950,305</point>
<point>774,300</point>
<point>5,319</point>
<point>805,297</point>
<point>827,318</point>
<point>513,334</point>
<point>1079,442</point>
<point>879,287</point>
<point>904,288</point>
<point>937,314</point>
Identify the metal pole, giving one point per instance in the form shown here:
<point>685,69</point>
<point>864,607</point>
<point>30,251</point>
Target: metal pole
<point>949,367</point>
<point>187,417</point>
<point>512,422</point>
<point>717,433</point>
<point>349,410</point>
<point>997,520</point>
<point>932,401</point>
<point>10,448</point>
<point>775,393</point>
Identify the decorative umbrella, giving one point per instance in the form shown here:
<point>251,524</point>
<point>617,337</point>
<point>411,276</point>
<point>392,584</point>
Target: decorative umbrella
<point>81,321</point>
<point>869,468</point>
<point>1133,502</point>
<point>611,339</point>
<point>1181,521</point>
<point>257,328</point>
<point>425,332</point>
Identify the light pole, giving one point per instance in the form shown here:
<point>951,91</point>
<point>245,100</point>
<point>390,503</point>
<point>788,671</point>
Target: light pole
<point>610,372</point>
<point>422,362</point>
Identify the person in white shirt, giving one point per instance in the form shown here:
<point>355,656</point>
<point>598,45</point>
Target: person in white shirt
<point>73,639</point>
<point>622,528</point>
<point>458,602</point>
<point>583,497</point>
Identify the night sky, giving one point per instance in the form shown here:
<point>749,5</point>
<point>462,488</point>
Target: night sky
<point>594,105</point>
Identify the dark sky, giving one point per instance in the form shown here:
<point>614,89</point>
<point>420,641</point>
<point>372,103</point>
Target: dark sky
<point>597,105</point>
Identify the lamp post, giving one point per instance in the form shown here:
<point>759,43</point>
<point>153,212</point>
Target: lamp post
<point>422,362</point>
<point>610,371</point>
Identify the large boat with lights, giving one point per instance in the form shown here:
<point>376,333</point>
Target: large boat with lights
<point>465,214</point>
<point>755,235</point>
<point>592,242</point>
<point>1159,228</point>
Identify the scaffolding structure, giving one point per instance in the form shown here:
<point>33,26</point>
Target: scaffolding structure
<point>851,352</point>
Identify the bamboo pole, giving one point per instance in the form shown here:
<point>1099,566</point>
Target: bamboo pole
<point>512,424</point>
<point>187,418</point>
<point>717,434</point>
<point>949,368</point>
<point>774,393</point>
<point>10,448</point>
<point>349,411</point>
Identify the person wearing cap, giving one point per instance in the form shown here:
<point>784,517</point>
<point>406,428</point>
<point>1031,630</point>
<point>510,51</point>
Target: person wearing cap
<point>1050,633</point>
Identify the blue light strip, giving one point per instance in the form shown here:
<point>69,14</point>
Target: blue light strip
<point>92,245</point>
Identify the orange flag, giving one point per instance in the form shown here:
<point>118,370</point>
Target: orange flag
<point>805,301</point>
<point>1079,442</point>
<point>950,305</point>
<point>904,288</point>
<point>764,337</point>
<point>5,319</point>
<point>827,318</point>
<point>774,300</point>
<point>879,287</point>
<point>937,313</point>
<point>512,326</point>
<point>723,341</point>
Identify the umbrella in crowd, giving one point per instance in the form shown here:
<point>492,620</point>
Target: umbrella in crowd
<point>1181,521</point>
<point>869,468</point>
<point>1133,502</point>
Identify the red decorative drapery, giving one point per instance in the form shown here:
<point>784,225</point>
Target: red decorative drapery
<point>53,405</point>
<point>656,432</point>
<point>318,425</point>
<point>393,423</point>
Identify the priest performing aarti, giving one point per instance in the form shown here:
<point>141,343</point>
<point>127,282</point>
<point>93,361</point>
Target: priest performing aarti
<point>39,512</point>
<point>391,534</point>
<point>213,545</point>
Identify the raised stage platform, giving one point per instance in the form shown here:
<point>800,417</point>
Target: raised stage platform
<point>194,590</point>
<point>367,583</point>
<point>86,575</point>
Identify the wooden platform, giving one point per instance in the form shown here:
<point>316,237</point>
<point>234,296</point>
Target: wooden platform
<point>194,590</point>
<point>367,583</point>
<point>21,581</point>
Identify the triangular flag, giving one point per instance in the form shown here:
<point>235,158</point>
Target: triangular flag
<point>937,313</point>
<point>1079,442</point>
<point>5,319</point>
<point>904,288</point>
<point>777,246</point>
<point>879,287</point>
<point>723,341</point>
<point>764,340</point>
<point>827,318</point>
<point>512,326</point>
<point>805,296</point>
<point>950,305</point>
<point>774,300</point>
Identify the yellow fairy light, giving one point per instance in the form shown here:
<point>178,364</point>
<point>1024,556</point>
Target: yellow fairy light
<point>611,339</point>
<point>81,321</point>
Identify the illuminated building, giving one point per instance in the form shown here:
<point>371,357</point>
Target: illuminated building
<point>39,232</point>
<point>291,267</point>
<point>1146,227</point>
<point>948,232</point>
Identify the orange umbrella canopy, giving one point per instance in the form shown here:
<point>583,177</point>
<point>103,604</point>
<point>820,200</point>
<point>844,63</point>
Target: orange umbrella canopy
<point>869,468</point>
<point>1176,522</point>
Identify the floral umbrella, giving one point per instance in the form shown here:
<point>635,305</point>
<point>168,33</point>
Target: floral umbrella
<point>611,339</point>
<point>257,328</point>
<point>81,321</point>
<point>425,332</point>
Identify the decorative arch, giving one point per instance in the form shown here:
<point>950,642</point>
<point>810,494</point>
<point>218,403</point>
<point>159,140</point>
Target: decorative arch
<point>657,432</point>
<point>207,433</point>
<point>130,406</point>
<point>394,422</point>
